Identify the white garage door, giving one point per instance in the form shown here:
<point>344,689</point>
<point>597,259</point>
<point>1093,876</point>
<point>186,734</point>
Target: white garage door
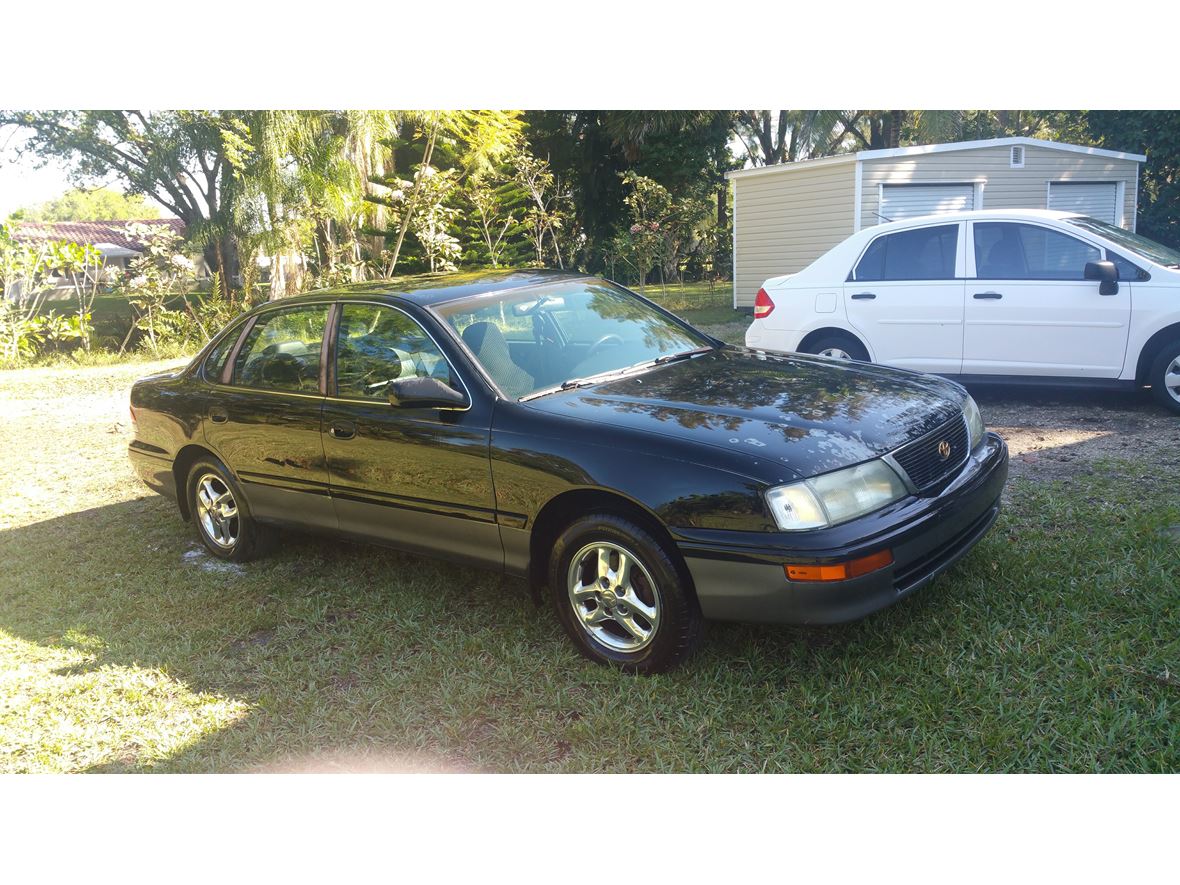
<point>1096,199</point>
<point>900,201</point>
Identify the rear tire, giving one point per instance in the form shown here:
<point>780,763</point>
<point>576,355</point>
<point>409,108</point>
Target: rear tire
<point>1165,371</point>
<point>621,596</point>
<point>842,347</point>
<point>221,514</point>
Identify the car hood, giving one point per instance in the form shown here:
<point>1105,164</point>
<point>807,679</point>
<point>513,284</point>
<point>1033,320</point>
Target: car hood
<point>809,414</point>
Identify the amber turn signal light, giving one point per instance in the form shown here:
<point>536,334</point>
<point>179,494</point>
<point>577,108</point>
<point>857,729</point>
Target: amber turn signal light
<point>840,571</point>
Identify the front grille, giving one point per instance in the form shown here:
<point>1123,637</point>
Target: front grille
<point>926,460</point>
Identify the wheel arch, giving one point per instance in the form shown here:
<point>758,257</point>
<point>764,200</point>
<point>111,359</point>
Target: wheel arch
<point>181,465</point>
<point>561,510</point>
<point>834,331</point>
<point>1151,349</point>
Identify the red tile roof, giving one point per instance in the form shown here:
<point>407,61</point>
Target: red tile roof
<point>91,232</point>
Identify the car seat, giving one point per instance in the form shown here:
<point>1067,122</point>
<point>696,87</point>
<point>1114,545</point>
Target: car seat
<point>487,342</point>
<point>1005,260</point>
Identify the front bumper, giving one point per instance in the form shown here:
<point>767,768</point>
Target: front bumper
<point>742,579</point>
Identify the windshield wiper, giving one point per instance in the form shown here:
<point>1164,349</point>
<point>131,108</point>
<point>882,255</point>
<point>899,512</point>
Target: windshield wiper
<point>570,384</point>
<point>683,355</point>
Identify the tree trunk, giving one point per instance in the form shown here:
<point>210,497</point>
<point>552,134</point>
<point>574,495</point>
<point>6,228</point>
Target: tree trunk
<point>222,256</point>
<point>325,245</point>
<point>875,136</point>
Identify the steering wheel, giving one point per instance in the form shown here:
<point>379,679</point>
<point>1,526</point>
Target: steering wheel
<point>609,338</point>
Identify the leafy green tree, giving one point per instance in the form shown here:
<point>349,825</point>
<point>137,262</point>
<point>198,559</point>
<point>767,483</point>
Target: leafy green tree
<point>432,222</point>
<point>309,178</point>
<point>496,205</point>
<point>650,206</point>
<point>548,208</point>
<point>187,161</point>
<point>83,266</point>
<point>101,204</point>
<point>662,230</point>
<point>684,151</point>
<point>1156,134</point>
<point>471,143</point>
<point>154,279</point>
<point>24,269</point>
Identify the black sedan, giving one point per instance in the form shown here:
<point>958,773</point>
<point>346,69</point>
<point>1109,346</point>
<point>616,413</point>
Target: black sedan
<point>561,428</point>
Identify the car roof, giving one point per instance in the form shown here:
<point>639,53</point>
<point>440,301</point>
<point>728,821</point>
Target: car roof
<point>972,215</point>
<point>438,288</point>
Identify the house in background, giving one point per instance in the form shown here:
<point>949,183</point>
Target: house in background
<point>786,216</point>
<point>109,237</point>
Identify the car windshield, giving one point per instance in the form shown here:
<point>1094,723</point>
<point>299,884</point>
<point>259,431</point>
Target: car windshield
<point>540,338</point>
<point>1141,246</point>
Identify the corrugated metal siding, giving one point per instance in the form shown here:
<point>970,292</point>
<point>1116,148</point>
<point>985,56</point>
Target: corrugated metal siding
<point>1097,199</point>
<point>1005,187</point>
<point>903,201</point>
<point>784,222</point>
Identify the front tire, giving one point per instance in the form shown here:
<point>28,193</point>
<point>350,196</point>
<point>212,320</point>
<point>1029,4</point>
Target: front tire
<point>221,514</point>
<point>621,597</point>
<point>1165,376</point>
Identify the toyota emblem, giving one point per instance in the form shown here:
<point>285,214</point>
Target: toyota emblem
<point>944,450</point>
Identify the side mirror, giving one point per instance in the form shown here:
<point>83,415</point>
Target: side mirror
<point>424,393</point>
<point>1106,273</point>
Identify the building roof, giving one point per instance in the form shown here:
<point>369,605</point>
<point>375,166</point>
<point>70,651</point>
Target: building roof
<point>939,148</point>
<point>110,237</point>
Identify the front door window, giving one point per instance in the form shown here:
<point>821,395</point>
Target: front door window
<point>376,345</point>
<point>1006,251</point>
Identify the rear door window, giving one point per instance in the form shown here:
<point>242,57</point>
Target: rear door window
<point>925,253</point>
<point>282,351</point>
<point>215,361</point>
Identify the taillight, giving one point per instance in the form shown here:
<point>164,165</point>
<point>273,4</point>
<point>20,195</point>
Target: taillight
<point>134,423</point>
<point>762,305</point>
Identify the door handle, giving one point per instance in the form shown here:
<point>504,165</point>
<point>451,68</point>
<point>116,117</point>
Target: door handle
<point>988,295</point>
<point>342,430</point>
<point>218,415</point>
<point>863,296</point>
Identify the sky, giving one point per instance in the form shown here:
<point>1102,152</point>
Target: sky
<point>23,184</point>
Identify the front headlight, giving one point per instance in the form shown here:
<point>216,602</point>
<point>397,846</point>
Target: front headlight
<point>834,497</point>
<point>975,429</point>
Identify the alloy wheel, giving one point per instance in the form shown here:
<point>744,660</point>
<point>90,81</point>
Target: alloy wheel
<point>1172,379</point>
<point>217,511</point>
<point>614,597</point>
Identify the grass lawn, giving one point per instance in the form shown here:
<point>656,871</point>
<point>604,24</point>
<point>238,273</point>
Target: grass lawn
<point>707,306</point>
<point>1055,646</point>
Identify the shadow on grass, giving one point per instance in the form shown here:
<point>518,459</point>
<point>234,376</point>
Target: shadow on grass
<point>334,656</point>
<point>336,650</point>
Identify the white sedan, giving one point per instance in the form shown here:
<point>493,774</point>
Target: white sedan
<point>1025,295</point>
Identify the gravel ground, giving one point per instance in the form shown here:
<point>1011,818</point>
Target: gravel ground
<point>1055,433</point>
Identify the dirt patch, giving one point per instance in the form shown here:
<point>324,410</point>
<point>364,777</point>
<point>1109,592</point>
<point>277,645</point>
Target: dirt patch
<point>1056,433</point>
<point>198,557</point>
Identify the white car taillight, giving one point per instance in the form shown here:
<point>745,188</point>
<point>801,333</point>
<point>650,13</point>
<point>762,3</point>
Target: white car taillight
<point>763,306</point>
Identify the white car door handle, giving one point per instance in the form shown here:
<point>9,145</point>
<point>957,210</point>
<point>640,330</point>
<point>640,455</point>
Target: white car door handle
<point>863,296</point>
<point>992,295</point>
